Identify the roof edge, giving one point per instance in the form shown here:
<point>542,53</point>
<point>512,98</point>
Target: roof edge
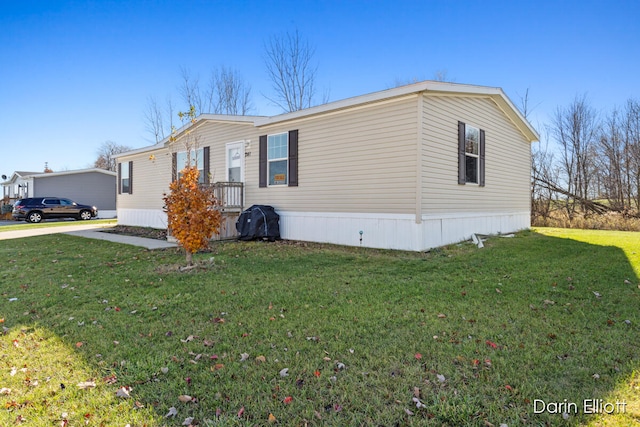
<point>425,86</point>
<point>70,172</point>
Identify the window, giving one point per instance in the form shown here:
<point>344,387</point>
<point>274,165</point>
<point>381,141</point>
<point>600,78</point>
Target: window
<point>277,158</point>
<point>471,144</point>
<point>278,163</point>
<point>199,158</point>
<point>125,172</point>
<point>471,158</point>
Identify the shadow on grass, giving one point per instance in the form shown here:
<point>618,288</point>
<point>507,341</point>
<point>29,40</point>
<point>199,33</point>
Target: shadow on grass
<point>518,333</point>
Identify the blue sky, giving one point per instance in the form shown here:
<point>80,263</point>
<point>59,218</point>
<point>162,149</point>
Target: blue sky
<point>74,74</point>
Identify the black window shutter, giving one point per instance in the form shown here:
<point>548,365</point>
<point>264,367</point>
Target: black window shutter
<point>174,166</point>
<point>462,179</point>
<point>481,163</point>
<point>293,158</point>
<point>262,161</point>
<point>205,154</point>
<point>119,178</point>
<point>130,177</point>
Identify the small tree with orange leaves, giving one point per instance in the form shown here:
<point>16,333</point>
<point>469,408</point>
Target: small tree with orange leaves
<point>191,207</point>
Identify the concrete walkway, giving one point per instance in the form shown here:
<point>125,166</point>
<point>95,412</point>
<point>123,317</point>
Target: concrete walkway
<point>88,230</point>
<point>127,240</point>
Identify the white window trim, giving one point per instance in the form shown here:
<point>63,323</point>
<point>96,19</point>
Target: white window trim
<point>279,159</point>
<point>196,155</point>
<point>475,156</point>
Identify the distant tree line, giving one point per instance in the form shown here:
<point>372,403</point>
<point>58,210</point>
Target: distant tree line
<point>593,164</point>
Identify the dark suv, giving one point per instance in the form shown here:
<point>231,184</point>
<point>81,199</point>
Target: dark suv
<point>38,208</point>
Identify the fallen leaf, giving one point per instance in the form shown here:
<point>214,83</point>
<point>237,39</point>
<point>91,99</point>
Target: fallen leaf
<point>164,369</point>
<point>416,392</point>
<point>187,421</point>
<point>240,412</point>
<point>86,384</point>
<point>340,366</point>
<point>418,356</point>
<point>271,419</point>
<point>172,412</point>
<point>5,390</point>
<point>548,302</point>
<point>287,400</point>
<point>317,374</point>
<point>217,367</point>
<point>184,398</point>
<point>123,392</point>
<point>441,316</point>
<point>188,339</point>
<point>244,356</point>
<point>596,376</point>
<point>79,344</point>
<point>284,372</point>
<point>260,359</point>
<point>441,378</point>
<point>418,403</point>
<point>491,344</point>
<point>408,412</point>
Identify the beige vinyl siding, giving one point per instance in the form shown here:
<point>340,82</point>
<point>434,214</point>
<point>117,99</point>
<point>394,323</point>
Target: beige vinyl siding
<point>360,160</point>
<point>150,179</point>
<point>216,135</point>
<point>508,158</point>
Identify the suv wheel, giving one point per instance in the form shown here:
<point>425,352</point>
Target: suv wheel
<point>34,217</point>
<point>85,215</point>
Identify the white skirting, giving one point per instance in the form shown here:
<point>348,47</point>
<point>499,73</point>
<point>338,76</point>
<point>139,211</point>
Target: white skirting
<point>386,231</point>
<point>154,218</point>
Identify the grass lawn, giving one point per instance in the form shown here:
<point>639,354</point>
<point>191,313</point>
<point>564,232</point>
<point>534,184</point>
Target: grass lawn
<point>101,334</point>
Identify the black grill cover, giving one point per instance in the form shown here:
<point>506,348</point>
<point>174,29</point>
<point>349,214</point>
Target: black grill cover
<point>259,222</point>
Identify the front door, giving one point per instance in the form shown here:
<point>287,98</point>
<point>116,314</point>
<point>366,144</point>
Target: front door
<point>235,162</point>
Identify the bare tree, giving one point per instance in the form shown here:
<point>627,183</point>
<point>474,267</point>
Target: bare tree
<point>190,91</point>
<point>159,121</point>
<point>228,93</point>
<point>289,62</point>
<point>613,161</point>
<point>632,151</point>
<point>107,150</point>
<point>575,129</point>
